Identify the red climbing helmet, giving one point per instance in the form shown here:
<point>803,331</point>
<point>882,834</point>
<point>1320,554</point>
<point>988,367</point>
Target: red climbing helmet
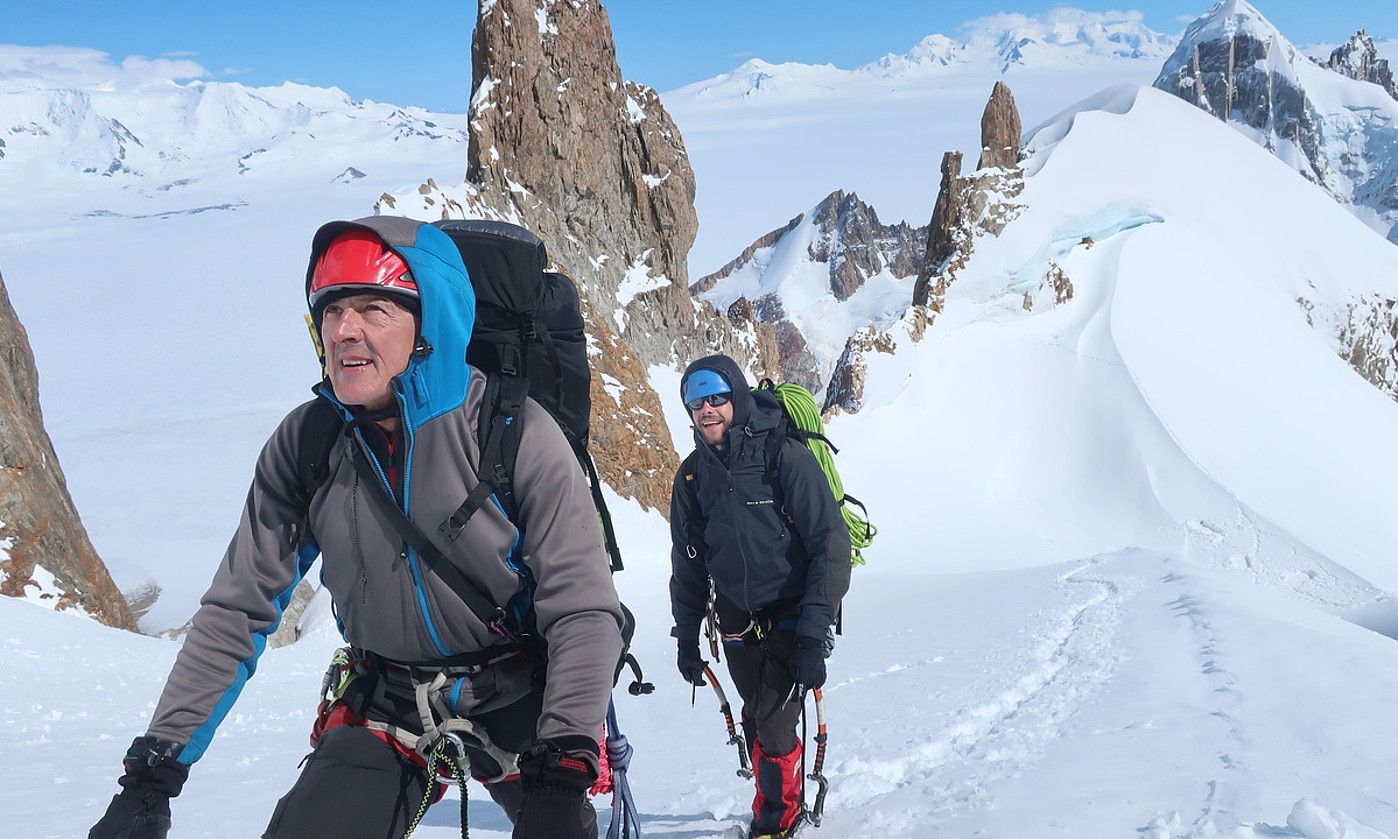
<point>356,261</point>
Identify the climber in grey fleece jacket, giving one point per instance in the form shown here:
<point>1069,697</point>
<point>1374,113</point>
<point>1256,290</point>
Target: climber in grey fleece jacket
<point>388,601</point>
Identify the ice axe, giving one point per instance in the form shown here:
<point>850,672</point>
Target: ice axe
<point>818,768</point>
<point>734,738</point>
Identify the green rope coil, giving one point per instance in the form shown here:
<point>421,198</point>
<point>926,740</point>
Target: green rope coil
<point>800,405</point>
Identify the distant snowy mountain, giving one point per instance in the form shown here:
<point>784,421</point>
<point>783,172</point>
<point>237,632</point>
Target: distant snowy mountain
<point>1337,131</point>
<point>165,135</point>
<point>1060,40</point>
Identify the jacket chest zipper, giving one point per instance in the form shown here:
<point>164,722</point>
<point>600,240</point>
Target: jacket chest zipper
<point>736,514</point>
<point>406,552</point>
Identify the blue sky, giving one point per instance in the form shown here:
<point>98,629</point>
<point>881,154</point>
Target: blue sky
<point>421,56</point>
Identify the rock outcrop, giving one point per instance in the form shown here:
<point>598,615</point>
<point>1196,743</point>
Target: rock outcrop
<point>1359,59</point>
<point>1366,332</point>
<point>1000,130</point>
<point>846,391</point>
<point>979,204</point>
<point>1233,65</point>
<point>1370,342</point>
<point>946,220</point>
<point>593,165</point>
<point>44,549</point>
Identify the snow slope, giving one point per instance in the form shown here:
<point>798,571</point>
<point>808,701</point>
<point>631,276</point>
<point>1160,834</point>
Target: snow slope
<point>1120,695</point>
<point>1180,401</point>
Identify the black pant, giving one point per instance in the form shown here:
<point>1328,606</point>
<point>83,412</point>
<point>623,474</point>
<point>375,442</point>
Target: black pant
<point>763,677</point>
<point>356,786</point>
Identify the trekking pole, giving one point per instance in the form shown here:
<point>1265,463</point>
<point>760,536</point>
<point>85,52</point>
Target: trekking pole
<point>734,738</point>
<point>818,768</point>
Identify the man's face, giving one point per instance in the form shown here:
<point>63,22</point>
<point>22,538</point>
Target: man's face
<point>712,421</point>
<point>368,340</point>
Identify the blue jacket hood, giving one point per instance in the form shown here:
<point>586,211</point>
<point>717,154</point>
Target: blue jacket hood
<point>437,375</point>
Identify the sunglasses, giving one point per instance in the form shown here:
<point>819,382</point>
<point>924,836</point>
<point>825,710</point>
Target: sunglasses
<point>714,399</point>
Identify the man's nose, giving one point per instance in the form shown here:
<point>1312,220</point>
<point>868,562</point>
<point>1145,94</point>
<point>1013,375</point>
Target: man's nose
<point>348,326</point>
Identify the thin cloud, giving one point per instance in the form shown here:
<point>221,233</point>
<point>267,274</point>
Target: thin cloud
<point>85,68</point>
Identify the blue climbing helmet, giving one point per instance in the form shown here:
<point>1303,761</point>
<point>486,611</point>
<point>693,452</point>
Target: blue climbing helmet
<point>704,382</point>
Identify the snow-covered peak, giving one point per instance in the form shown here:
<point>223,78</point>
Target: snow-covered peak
<point>1231,19</point>
<point>1066,37</point>
<point>67,111</point>
<point>1335,130</point>
<point>1057,39</point>
<point>1063,39</point>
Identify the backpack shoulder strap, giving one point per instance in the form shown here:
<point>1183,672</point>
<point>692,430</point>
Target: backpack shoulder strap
<point>776,441</point>
<point>498,431</point>
<point>319,428</point>
<point>599,503</point>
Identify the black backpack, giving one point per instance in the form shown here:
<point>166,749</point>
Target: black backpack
<point>529,339</point>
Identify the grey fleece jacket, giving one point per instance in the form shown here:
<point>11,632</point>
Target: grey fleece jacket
<point>387,599</point>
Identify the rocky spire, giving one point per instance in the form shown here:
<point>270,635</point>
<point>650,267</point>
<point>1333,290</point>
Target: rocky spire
<point>593,165</point>
<point>1000,130</point>
<point>972,205</point>
<point>40,532</point>
<point>946,219</point>
<point>1359,59</point>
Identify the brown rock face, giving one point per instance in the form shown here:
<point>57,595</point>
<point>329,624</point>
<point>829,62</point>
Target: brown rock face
<point>979,204</point>
<point>1368,335</point>
<point>591,163</point>
<point>856,245</point>
<point>946,219</point>
<point>1000,130</point>
<point>38,523</point>
<point>846,391</point>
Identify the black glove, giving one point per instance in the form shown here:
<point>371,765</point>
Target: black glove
<point>691,664</point>
<point>142,809</point>
<point>555,775</point>
<point>808,662</point>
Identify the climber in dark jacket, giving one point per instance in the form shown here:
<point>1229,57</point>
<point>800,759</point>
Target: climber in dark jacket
<point>753,517</point>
